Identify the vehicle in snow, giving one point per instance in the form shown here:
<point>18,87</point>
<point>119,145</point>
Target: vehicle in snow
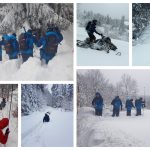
<point>100,44</point>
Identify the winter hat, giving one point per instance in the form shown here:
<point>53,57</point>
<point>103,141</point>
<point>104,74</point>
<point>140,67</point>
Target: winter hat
<point>4,122</point>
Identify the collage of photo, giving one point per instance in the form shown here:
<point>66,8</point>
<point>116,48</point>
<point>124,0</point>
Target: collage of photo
<point>74,75</point>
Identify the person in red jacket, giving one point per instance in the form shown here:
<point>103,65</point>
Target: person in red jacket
<point>4,137</point>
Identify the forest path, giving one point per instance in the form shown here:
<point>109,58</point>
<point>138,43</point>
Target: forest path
<point>58,132</point>
<point>112,131</point>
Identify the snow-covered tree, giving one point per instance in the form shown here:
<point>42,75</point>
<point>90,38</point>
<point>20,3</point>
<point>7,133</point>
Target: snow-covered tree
<point>37,15</point>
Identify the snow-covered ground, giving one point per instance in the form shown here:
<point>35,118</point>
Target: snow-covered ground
<point>13,125</point>
<point>107,131</point>
<point>141,51</point>
<point>59,68</point>
<point>56,133</point>
<point>90,57</point>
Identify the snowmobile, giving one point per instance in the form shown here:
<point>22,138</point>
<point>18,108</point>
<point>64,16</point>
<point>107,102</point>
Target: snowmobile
<point>100,44</point>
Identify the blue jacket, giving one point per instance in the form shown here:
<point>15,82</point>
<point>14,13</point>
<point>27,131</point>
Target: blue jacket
<point>98,101</point>
<point>138,104</point>
<point>15,45</point>
<point>117,103</point>
<point>129,104</point>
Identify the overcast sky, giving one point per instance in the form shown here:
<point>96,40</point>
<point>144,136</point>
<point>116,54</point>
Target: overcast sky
<point>114,10</point>
<point>141,76</point>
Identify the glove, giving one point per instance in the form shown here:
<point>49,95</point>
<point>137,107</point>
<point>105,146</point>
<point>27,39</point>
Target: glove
<point>7,131</point>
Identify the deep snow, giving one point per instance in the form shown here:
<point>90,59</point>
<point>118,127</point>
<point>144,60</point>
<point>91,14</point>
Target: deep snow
<point>59,68</point>
<point>90,57</point>
<point>13,125</point>
<point>141,49</point>
<point>107,131</point>
<point>56,133</point>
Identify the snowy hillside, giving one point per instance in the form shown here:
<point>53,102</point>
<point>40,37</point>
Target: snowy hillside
<point>141,49</point>
<point>60,68</point>
<point>87,57</point>
<point>107,131</point>
<point>13,124</point>
<point>56,133</point>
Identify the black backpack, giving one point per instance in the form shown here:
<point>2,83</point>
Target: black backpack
<point>51,43</point>
<point>22,42</point>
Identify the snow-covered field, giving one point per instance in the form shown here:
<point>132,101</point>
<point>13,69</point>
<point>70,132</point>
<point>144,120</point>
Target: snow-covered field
<point>13,125</point>
<point>141,51</point>
<point>56,133</point>
<point>90,57</point>
<point>107,131</point>
<point>59,68</point>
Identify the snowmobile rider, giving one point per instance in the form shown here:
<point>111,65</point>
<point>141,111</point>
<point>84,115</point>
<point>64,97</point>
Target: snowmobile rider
<point>91,29</point>
<point>97,103</point>
<point>117,104</point>
<point>3,124</point>
<point>129,105</point>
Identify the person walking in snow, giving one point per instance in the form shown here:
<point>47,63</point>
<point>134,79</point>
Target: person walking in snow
<point>4,136</point>
<point>49,43</point>
<point>139,105</point>
<point>129,105</point>
<point>97,103</point>
<point>117,105</point>
<point>26,43</point>
<point>46,118</point>
<point>11,45</point>
<point>91,29</point>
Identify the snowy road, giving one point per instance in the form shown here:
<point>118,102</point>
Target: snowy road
<point>90,57</point>
<point>57,133</point>
<point>113,132</point>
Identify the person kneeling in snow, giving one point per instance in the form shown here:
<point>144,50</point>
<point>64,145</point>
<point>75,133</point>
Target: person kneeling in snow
<point>49,43</point>
<point>46,117</point>
<point>4,137</point>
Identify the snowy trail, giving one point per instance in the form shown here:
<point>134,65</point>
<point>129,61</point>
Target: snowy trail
<point>141,49</point>
<point>113,132</point>
<point>59,68</point>
<point>56,133</point>
<point>90,57</point>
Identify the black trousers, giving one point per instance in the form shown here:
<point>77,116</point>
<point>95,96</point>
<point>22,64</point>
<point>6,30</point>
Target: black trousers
<point>116,112</point>
<point>92,37</point>
<point>138,112</point>
<point>98,112</point>
<point>128,112</point>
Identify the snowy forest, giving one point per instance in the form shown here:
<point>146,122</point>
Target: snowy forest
<point>140,18</point>
<point>36,96</point>
<point>9,109</point>
<point>13,16</point>
<point>127,86</point>
<point>108,26</point>
<point>18,18</point>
